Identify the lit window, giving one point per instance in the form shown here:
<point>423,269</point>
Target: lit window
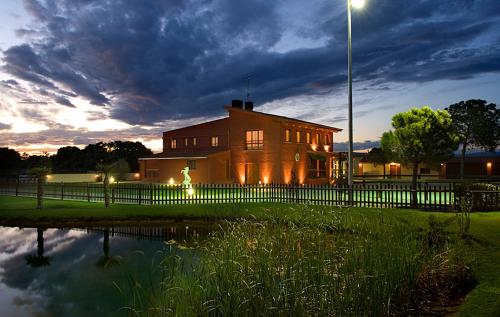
<point>327,139</point>
<point>214,141</point>
<point>317,138</point>
<point>287,135</point>
<point>194,141</point>
<point>298,136</point>
<point>173,143</point>
<point>308,137</point>
<point>191,164</point>
<point>185,142</point>
<point>254,140</point>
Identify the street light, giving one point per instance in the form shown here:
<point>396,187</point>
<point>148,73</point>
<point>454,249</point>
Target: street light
<point>357,4</point>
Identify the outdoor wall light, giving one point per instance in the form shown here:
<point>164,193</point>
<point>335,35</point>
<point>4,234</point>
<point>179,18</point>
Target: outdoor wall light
<point>171,181</point>
<point>314,147</point>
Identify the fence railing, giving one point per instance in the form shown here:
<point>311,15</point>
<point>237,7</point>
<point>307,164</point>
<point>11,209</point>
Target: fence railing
<point>428,196</point>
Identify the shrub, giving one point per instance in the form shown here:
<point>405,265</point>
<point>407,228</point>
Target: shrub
<point>484,196</point>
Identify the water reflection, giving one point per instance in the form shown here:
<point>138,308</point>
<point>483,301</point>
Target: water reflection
<point>72,272</point>
<point>39,259</point>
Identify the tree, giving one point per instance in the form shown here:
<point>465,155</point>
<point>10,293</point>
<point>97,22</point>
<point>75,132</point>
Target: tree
<point>39,259</point>
<point>478,125</point>
<point>93,155</point>
<point>130,151</point>
<point>377,156</point>
<point>420,136</point>
<point>68,159</point>
<point>11,160</point>
<point>40,173</point>
<point>107,169</point>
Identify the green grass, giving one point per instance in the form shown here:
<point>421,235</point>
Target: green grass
<point>384,243</point>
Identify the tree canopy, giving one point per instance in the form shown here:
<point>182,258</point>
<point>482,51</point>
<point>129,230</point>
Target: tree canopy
<point>420,136</point>
<point>478,125</point>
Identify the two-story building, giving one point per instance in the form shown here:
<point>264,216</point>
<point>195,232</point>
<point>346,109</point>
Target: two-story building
<point>247,147</point>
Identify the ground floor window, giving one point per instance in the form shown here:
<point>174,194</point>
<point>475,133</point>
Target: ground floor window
<point>191,164</point>
<point>152,173</point>
<point>425,170</point>
<point>317,166</point>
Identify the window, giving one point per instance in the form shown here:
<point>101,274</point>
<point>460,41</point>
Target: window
<point>191,164</point>
<point>317,167</point>
<point>214,141</point>
<point>317,138</point>
<point>287,135</point>
<point>298,136</point>
<point>327,139</point>
<point>425,170</point>
<point>194,141</point>
<point>308,137</point>
<point>254,140</point>
<point>185,142</point>
<point>151,173</point>
<point>173,143</point>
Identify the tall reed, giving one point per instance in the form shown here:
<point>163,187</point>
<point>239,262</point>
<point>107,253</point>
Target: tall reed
<point>324,262</point>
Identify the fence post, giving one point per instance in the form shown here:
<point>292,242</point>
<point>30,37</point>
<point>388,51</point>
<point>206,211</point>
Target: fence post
<point>88,192</point>
<point>140,194</point>
<point>62,191</point>
<point>17,186</point>
<point>112,194</point>
<point>150,194</point>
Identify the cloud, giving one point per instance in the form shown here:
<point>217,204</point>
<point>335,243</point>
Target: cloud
<point>182,59</point>
<point>357,146</point>
<point>4,126</point>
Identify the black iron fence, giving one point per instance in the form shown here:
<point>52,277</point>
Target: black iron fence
<point>428,196</point>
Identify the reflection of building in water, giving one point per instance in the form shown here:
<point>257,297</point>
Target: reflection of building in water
<point>157,233</point>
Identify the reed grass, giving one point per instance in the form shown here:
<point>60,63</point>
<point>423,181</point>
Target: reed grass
<point>324,263</point>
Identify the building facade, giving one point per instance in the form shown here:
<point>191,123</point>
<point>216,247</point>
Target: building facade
<point>247,147</point>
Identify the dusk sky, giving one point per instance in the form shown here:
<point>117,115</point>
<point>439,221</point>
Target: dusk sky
<point>74,72</point>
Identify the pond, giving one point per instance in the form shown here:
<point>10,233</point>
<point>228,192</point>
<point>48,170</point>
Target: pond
<point>84,271</point>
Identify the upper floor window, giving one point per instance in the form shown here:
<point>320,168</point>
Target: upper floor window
<point>194,141</point>
<point>173,143</point>
<point>254,140</point>
<point>327,139</point>
<point>214,141</point>
<point>308,137</point>
<point>191,164</point>
<point>298,137</point>
<point>317,138</point>
<point>287,135</point>
<point>185,142</point>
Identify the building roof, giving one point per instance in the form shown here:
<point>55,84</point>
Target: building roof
<point>181,155</point>
<point>229,108</point>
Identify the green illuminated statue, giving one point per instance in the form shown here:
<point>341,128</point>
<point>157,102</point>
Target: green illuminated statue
<point>187,179</point>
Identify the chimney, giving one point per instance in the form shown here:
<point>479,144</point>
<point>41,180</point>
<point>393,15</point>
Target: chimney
<point>249,105</point>
<point>236,103</point>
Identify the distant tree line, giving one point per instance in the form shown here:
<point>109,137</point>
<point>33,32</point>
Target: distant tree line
<point>71,159</point>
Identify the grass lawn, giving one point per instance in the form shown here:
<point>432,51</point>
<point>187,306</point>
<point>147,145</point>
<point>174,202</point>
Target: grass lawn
<point>481,252</point>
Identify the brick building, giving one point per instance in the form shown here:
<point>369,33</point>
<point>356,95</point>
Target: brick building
<point>246,147</point>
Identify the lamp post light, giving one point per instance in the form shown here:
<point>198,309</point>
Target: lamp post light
<point>357,4</point>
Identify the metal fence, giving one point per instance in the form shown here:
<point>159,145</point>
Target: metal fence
<point>429,196</point>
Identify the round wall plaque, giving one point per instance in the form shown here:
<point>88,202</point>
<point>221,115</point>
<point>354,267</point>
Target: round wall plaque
<point>297,157</point>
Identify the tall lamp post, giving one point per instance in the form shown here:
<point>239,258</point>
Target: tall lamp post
<point>357,4</point>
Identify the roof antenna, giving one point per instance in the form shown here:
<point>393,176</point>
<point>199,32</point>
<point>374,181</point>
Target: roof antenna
<point>248,86</point>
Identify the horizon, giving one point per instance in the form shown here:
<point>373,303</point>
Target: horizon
<point>76,73</point>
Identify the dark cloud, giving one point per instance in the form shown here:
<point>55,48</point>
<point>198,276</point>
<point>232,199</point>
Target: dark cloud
<point>157,60</point>
<point>5,126</point>
<point>357,146</point>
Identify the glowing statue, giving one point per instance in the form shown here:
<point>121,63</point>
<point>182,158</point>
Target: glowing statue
<point>187,179</point>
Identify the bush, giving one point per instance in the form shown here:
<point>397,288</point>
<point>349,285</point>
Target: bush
<point>484,196</point>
